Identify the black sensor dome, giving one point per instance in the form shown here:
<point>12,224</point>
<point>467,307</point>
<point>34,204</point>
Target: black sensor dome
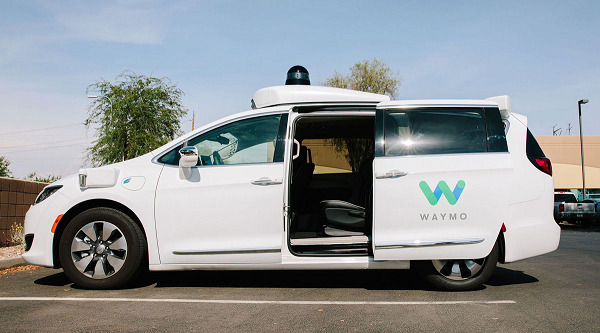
<point>297,75</point>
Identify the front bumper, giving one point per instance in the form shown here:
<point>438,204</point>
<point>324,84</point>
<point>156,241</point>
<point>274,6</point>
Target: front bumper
<point>38,224</point>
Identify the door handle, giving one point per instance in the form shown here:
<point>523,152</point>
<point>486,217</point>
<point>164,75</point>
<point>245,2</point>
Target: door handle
<point>392,174</point>
<point>295,156</point>
<point>265,181</point>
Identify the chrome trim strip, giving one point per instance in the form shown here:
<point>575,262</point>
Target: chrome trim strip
<point>431,243</point>
<point>240,251</point>
<point>440,105</point>
<point>325,241</point>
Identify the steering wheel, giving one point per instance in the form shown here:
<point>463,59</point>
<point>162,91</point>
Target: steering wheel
<point>217,160</point>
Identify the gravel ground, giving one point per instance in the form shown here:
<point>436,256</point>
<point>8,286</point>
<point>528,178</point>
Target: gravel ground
<point>14,252</point>
<point>11,251</point>
<point>19,269</point>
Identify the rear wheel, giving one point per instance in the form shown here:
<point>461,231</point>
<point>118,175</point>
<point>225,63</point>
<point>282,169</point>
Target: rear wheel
<point>459,274</point>
<point>102,248</point>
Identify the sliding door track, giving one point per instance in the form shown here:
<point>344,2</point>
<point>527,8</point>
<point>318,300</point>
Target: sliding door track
<point>347,245</point>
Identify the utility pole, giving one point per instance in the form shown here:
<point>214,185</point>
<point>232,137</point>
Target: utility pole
<point>193,118</point>
<point>554,130</point>
<point>569,128</point>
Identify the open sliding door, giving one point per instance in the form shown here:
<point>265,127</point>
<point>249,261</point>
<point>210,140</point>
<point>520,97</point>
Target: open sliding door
<point>441,182</point>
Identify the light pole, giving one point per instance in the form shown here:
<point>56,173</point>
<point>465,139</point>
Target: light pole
<point>583,101</point>
<point>109,99</point>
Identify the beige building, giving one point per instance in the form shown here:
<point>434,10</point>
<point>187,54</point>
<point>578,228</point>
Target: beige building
<point>565,154</point>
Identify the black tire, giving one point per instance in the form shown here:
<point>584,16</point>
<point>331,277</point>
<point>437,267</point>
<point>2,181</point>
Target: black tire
<point>440,281</point>
<point>107,268</point>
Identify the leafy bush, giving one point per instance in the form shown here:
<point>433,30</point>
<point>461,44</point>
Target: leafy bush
<point>16,234</point>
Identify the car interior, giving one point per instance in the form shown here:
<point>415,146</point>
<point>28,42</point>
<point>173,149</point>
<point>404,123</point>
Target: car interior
<point>332,185</point>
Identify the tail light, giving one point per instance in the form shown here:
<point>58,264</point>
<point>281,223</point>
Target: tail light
<point>536,155</point>
<point>544,165</point>
<point>561,207</point>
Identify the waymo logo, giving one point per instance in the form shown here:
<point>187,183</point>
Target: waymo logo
<point>442,188</point>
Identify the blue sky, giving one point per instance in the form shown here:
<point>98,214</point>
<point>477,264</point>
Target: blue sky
<point>545,55</point>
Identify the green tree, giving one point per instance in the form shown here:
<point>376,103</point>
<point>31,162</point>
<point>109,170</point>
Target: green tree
<point>4,171</point>
<point>132,116</point>
<point>374,76</point>
<point>43,179</point>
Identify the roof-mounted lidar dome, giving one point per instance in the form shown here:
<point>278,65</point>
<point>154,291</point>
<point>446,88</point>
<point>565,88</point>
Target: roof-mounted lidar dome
<point>297,75</point>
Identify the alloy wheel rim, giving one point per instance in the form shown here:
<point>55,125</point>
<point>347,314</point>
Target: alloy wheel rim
<point>99,249</point>
<point>459,269</point>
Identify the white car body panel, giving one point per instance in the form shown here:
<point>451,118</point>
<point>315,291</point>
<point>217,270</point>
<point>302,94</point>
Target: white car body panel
<point>39,220</point>
<point>406,222</point>
<point>528,229</point>
<point>280,95</point>
<point>140,202</point>
<point>213,214</point>
<point>219,210</point>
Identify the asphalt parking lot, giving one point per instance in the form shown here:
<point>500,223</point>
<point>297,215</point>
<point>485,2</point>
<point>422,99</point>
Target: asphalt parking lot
<point>554,292</point>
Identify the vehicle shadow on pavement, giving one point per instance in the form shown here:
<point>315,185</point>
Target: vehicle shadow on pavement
<point>370,280</point>
<point>504,277</point>
<point>56,280</point>
<point>351,279</point>
<point>579,228</point>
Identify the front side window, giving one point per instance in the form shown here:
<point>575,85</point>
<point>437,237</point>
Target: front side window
<point>434,131</point>
<point>246,141</point>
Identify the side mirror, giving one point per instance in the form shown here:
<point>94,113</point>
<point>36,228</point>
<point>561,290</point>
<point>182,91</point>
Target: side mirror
<point>188,157</point>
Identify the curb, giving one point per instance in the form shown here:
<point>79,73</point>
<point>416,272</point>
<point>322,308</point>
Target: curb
<point>11,262</point>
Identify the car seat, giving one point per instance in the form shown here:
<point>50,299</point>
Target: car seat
<point>347,216</point>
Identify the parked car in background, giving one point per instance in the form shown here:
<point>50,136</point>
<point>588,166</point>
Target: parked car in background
<point>596,202</point>
<point>594,196</point>
<point>568,209</point>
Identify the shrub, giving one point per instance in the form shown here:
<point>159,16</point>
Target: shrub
<point>16,234</point>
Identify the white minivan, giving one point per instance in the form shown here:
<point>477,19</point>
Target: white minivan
<point>311,178</point>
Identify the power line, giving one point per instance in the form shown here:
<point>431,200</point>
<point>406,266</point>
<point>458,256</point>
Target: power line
<point>43,148</point>
<point>44,143</point>
<point>41,129</point>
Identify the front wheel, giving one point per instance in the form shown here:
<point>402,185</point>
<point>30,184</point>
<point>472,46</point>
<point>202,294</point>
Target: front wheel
<point>459,274</point>
<point>102,248</point>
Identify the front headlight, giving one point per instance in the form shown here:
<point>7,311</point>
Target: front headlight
<point>46,192</point>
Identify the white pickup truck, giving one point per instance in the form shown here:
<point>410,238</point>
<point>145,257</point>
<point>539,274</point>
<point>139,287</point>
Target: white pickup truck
<point>567,208</point>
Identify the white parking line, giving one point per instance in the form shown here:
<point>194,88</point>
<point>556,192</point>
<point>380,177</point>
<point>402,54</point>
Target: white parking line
<point>241,301</point>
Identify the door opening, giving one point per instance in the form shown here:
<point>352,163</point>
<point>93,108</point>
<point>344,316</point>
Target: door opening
<point>331,185</point>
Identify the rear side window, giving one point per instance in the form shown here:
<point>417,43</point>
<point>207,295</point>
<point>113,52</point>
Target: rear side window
<point>536,155</point>
<point>434,131</point>
<point>495,131</point>
<point>533,148</point>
